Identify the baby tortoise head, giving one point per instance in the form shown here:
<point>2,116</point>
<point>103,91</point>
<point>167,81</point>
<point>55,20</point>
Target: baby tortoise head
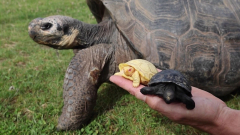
<point>128,70</point>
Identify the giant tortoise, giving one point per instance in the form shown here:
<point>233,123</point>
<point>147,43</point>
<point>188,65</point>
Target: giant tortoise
<point>199,38</point>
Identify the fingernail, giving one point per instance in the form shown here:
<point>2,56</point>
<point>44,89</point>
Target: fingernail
<point>111,78</point>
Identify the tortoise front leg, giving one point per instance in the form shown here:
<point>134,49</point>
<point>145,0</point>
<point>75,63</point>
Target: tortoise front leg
<point>80,86</point>
<point>136,79</point>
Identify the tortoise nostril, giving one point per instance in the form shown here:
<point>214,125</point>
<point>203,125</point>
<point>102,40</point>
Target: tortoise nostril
<point>32,34</point>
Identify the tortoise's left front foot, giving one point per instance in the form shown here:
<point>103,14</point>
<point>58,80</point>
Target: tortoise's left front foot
<point>80,86</point>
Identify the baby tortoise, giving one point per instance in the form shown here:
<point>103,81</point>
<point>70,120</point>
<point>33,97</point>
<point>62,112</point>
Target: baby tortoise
<point>137,70</point>
<point>172,86</point>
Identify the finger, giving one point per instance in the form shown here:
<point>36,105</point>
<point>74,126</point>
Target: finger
<point>201,93</point>
<point>154,102</point>
<point>124,83</point>
<point>127,85</point>
<point>162,107</point>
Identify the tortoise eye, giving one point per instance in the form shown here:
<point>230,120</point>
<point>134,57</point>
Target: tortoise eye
<point>46,26</point>
<point>129,69</point>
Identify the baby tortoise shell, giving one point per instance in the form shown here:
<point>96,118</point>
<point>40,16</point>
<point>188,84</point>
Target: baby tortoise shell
<point>137,70</point>
<point>171,76</point>
<point>172,86</point>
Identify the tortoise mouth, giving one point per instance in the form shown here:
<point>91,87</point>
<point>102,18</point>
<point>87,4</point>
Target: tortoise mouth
<point>33,35</point>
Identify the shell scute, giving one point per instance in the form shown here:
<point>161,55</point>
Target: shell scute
<point>170,76</point>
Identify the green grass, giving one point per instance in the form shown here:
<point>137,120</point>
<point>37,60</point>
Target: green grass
<point>31,79</point>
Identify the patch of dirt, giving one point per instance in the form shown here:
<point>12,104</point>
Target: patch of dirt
<point>21,64</point>
<point>27,113</point>
<point>1,60</point>
<point>38,68</point>
<point>10,46</point>
<point>44,105</point>
<point>23,53</point>
<point>14,100</point>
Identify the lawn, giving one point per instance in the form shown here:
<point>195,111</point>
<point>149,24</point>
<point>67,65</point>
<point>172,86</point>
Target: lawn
<point>32,78</point>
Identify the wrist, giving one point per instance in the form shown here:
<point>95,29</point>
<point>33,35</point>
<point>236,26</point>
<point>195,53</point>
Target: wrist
<point>227,122</point>
<point>220,121</point>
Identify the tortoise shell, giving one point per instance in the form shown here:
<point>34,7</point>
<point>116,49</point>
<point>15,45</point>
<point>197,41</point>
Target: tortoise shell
<point>170,76</point>
<point>201,39</point>
<point>145,68</point>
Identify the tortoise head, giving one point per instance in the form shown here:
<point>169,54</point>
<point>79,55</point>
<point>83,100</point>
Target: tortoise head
<point>128,70</point>
<point>54,31</point>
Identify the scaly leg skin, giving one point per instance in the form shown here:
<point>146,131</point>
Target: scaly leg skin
<point>80,86</point>
<point>166,91</point>
<point>184,98</point>
<point>154,90</point>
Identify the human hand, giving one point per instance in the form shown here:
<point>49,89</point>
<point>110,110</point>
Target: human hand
<point>204,116</point>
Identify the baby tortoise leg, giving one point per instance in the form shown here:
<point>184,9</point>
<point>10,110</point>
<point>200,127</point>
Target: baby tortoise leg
<point>166,91</point>
<point>154,90</point>
<point>185,98</point>
<point>136,79</point>
<point>80,86</point>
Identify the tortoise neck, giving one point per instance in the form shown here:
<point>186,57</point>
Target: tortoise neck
<point>91,34</point>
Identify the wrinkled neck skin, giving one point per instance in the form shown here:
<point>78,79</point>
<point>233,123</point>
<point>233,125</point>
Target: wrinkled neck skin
<point>90,34</point>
